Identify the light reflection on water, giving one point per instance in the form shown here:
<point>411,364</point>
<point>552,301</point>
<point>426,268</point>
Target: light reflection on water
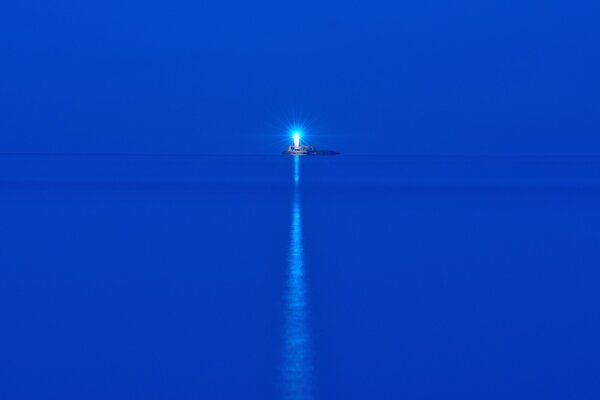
<point>297,367</point>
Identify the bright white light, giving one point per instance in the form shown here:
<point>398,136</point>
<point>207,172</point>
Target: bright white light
<point>296,139</point>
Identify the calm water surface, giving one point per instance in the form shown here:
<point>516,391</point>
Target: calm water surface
<point>262,277</point>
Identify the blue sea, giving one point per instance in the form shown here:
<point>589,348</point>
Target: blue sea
<point>273,277</point>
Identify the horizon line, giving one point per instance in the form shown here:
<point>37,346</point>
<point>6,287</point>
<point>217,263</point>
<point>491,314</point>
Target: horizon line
<point>427,155</point>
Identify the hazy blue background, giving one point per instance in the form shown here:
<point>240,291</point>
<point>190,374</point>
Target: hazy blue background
<point>420,276</point>
<point>408,77</point>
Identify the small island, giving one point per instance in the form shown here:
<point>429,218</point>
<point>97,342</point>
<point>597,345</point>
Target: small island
<point>297,149</point>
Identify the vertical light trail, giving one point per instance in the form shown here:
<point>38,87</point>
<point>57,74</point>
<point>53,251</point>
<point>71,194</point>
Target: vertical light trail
<point>297,366</point>
<point>296,204</point>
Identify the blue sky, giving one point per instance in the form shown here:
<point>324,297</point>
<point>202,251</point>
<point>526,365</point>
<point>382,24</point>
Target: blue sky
<point>384,77</point>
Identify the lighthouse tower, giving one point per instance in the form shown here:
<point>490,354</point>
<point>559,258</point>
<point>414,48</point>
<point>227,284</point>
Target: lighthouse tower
<point>296,138</point>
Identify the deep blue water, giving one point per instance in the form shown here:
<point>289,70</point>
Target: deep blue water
<point>265,277</point>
